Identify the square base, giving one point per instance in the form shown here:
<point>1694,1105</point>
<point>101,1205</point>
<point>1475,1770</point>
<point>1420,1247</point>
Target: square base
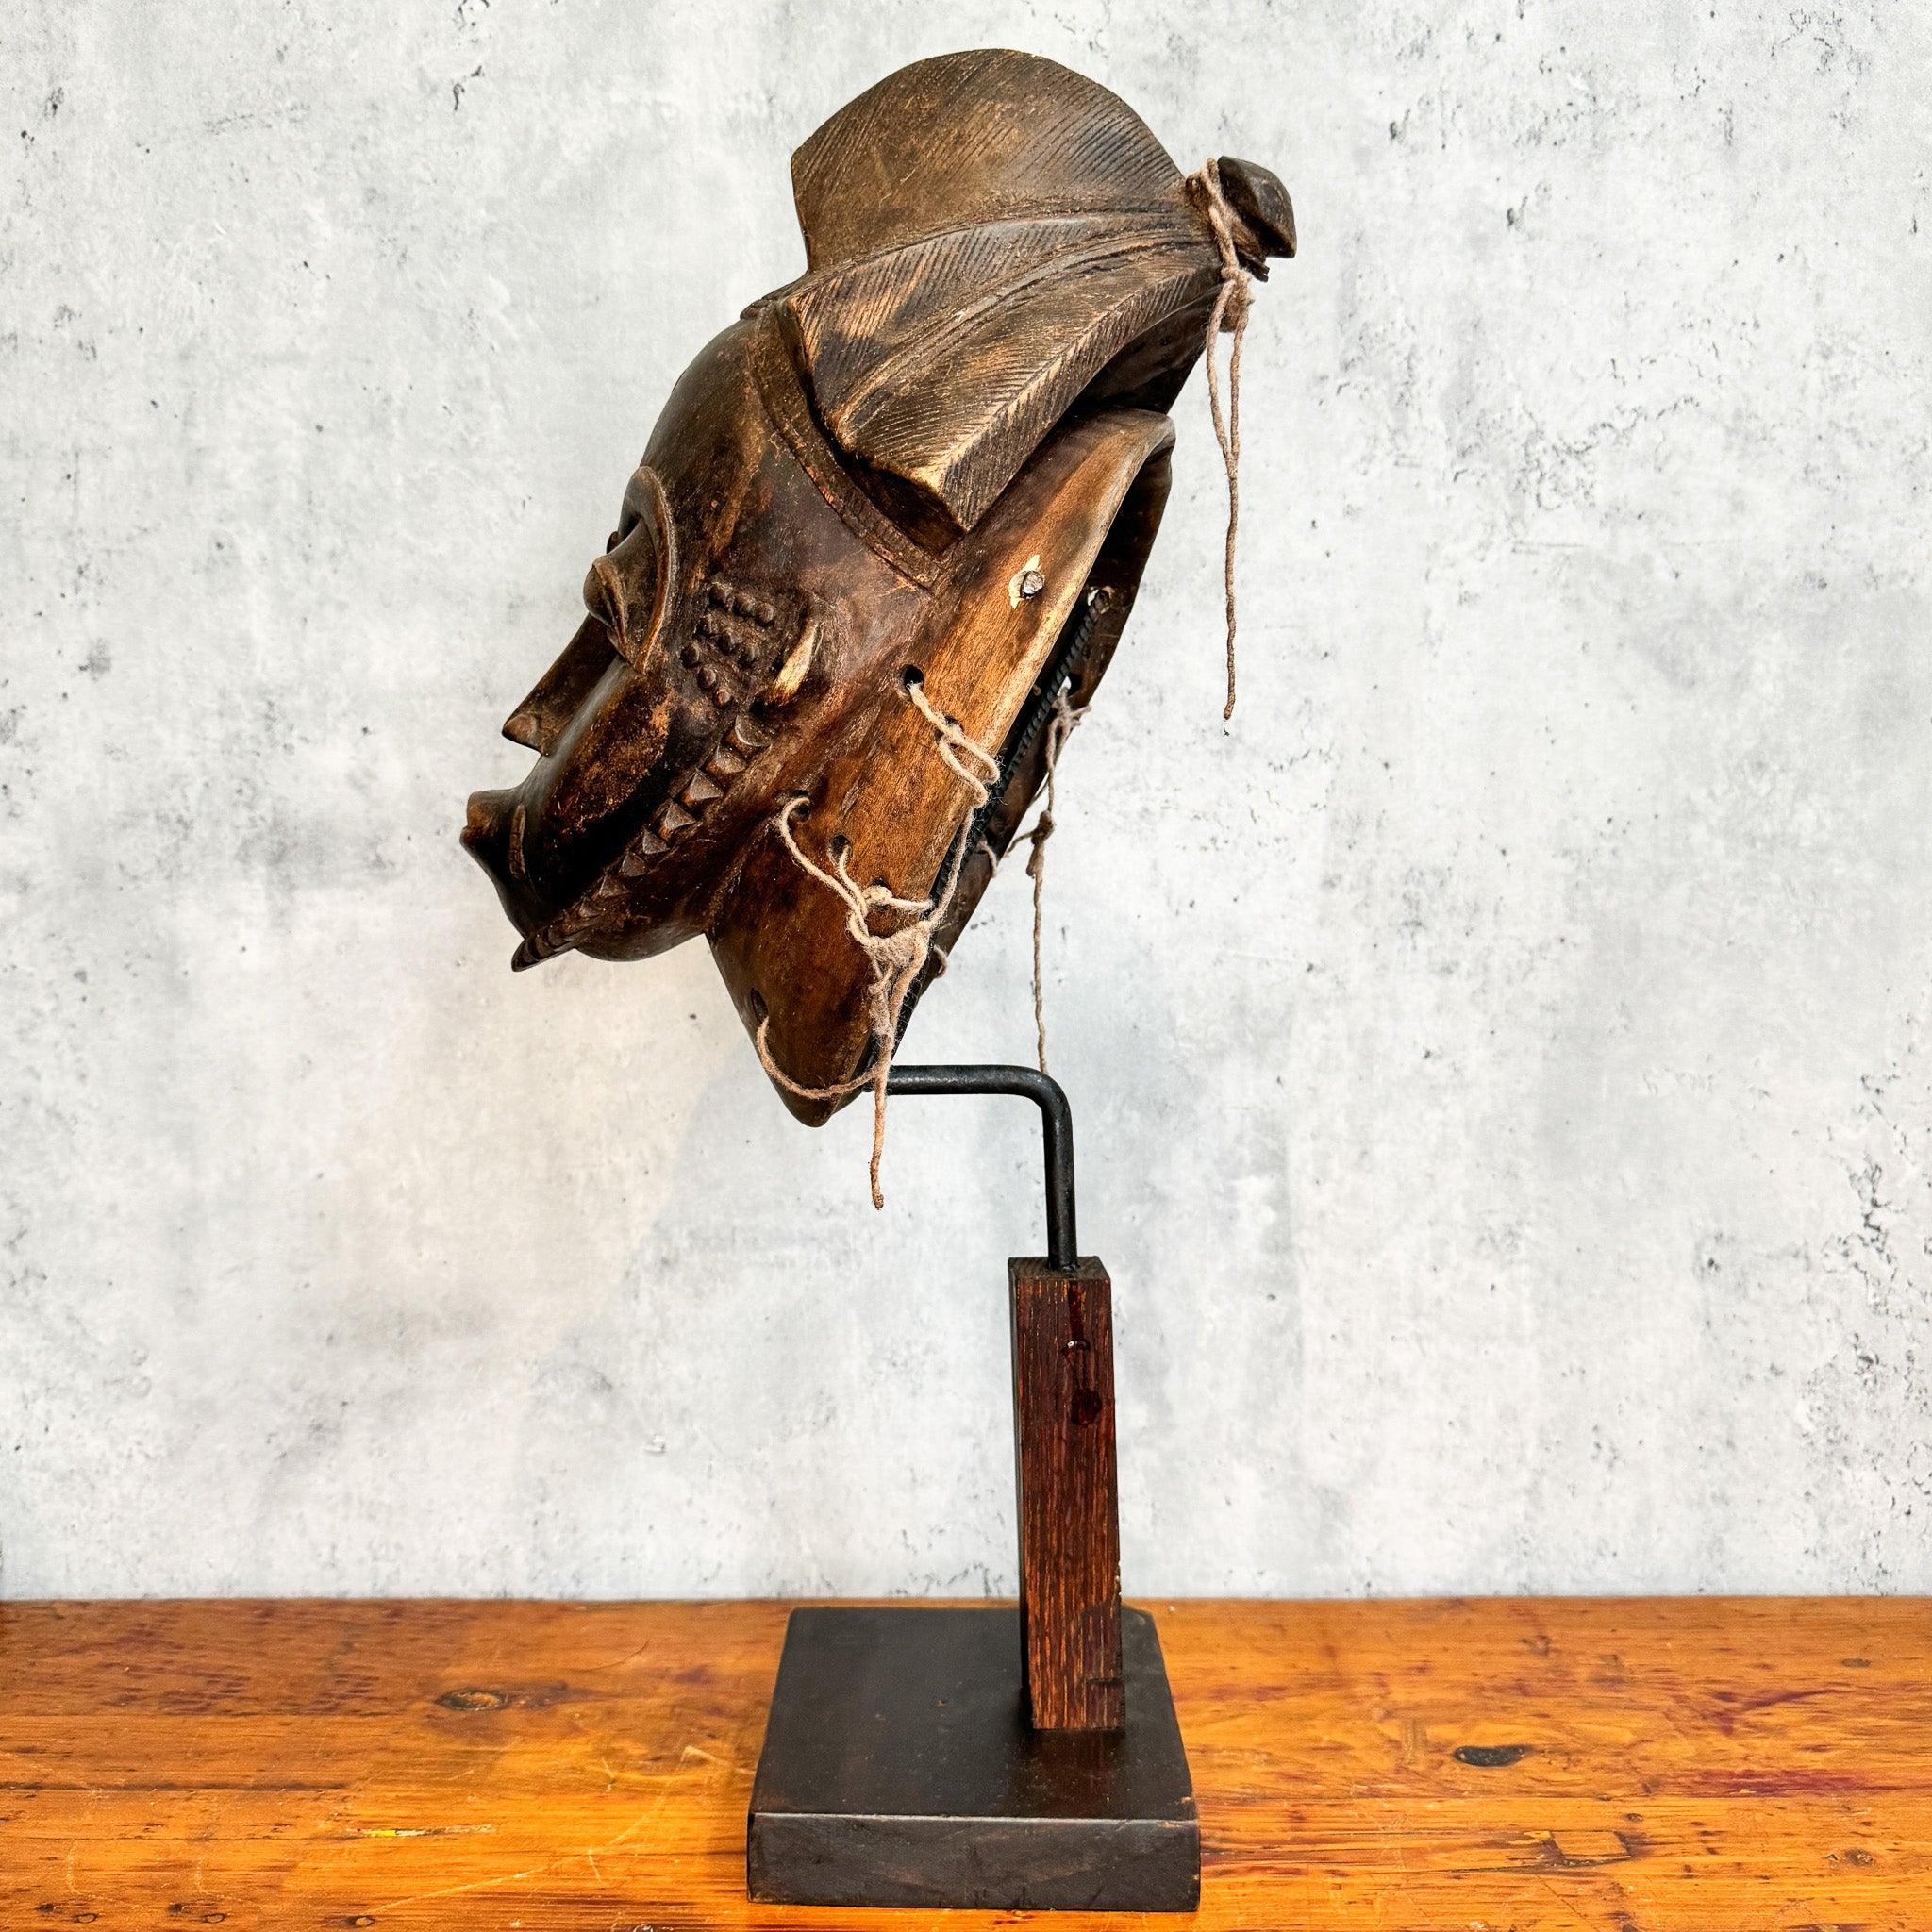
<point>899,1770</point>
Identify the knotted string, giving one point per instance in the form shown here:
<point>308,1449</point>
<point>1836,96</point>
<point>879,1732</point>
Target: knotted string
<point>979,768</point>
<point>897,957</point>
<point>1230,312</point>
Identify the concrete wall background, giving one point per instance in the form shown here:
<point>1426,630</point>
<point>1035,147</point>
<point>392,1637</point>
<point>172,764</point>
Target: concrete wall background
<point>1501,1059</point>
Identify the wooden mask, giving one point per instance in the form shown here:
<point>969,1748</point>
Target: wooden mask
<point>888,520</point>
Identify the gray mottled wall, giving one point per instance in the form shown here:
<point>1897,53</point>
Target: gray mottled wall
<point>1501,1058</point>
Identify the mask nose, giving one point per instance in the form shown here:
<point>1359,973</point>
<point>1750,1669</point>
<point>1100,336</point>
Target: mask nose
<point>599,719</point>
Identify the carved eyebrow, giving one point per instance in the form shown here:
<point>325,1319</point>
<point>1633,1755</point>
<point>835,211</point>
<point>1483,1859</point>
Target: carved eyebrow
<point>643,496</point>
<point>629,587</point>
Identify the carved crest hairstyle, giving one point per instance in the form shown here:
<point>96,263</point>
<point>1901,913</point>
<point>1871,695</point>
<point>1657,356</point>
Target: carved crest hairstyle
<point>887,530</point>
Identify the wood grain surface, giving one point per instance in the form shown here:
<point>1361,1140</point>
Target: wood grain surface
<point>1482,1766</point>
<point>1069,1508</point>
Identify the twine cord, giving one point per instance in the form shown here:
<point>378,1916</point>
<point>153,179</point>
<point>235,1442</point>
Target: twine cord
<point>970,760</point>
<point>1231,313</point>
<point>896,958</point>
<point>1059,729</point>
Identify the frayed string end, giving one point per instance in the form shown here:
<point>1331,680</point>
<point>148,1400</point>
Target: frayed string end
<point>1230,314</point>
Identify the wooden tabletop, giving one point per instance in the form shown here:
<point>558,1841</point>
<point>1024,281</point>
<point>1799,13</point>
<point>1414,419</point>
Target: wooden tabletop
<point>1503,1766</point>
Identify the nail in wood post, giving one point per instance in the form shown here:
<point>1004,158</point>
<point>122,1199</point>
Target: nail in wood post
<point>1070,1540</point>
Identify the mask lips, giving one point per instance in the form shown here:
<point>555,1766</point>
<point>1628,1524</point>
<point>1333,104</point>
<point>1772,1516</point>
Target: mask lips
<point>594,920</point>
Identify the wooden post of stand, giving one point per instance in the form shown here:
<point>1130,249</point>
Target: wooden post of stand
<point>1069,1508</point>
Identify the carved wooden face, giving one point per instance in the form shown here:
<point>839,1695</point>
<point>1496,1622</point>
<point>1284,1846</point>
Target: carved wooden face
<point>729,663</point>
<point>648,725</point>
<point>882,477</point>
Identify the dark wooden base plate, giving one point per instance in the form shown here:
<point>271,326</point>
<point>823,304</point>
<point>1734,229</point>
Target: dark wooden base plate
<point>898,1770</point>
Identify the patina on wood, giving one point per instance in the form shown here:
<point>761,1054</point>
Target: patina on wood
<point>1069,1512</point>
<point>1754,1765</point>
<point>941,453</point>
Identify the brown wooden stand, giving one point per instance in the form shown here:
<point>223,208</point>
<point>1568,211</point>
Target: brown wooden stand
<point>1001,1758</point>
<point>899,1770</point>
<point>1069,1537</point>
<point>994,1757</point>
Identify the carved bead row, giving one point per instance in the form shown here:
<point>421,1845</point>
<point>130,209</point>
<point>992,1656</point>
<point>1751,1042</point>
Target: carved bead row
<point>743,603</point>
<point>731,623</point>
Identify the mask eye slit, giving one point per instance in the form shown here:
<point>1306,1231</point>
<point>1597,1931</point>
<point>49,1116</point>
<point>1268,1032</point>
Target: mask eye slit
<point>629,586</point>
